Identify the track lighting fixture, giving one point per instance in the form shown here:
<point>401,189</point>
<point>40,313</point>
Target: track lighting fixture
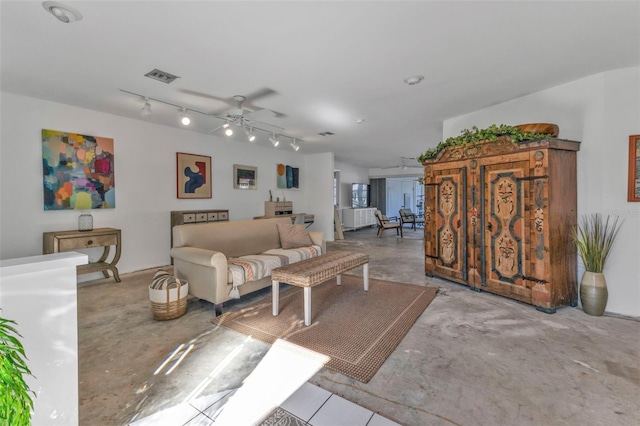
<point>146,109</point>
<point>242,123</point>
<point>185,120</point>
<point>250,136</point>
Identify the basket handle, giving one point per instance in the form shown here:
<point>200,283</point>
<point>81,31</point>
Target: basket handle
<point>169,286</point>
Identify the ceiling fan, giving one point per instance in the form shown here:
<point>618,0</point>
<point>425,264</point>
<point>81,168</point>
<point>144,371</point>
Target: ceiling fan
<point>240,108</point>
<point>403,164</point>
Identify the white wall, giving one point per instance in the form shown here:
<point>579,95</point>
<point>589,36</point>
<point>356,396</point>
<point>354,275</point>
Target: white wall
<point>145,173</point>
<point>348,175</point>
<point>319,191</point>
<point>601,111</point>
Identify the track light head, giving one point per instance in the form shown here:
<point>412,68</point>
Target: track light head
<point>294,145</point>
<point>185,120</point>
<point>274,141</point>
<point>146,109</point>
<point>229,131</point>
<point>250,135</point>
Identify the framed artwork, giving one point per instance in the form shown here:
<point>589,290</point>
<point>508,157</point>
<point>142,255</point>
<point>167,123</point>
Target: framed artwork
<point>287,177</point>
<point>77,171</point>
<point>245,177</point>
<point>634,168</point>
<point>193,175</point>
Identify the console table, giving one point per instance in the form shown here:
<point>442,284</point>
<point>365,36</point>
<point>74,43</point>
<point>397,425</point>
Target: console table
<point>59,241</point>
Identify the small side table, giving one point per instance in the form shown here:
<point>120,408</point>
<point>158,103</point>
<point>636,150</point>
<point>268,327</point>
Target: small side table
<point>55,242</point>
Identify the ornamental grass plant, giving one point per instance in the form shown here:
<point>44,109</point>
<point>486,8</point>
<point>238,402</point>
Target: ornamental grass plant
<point>594,237</point>
<point>16,400</point>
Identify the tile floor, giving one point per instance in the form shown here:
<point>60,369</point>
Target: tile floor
<point>309,405</point>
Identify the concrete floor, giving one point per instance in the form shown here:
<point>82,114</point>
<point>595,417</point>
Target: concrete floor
<point>470,359</point>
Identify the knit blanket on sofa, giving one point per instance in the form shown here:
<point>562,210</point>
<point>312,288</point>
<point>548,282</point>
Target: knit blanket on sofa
<point>256,266</point>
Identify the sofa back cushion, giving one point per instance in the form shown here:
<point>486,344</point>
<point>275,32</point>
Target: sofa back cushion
<point>293,236</point>
<point>234,239</point>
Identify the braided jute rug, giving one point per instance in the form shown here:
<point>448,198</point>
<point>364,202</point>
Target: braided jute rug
<point>356,330</point>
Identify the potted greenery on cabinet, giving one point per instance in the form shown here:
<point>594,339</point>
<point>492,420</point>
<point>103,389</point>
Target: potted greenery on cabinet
<point>16,400</point>
<point>594,238</point>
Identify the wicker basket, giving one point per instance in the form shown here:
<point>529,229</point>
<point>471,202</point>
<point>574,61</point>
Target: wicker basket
<point>169,303</point>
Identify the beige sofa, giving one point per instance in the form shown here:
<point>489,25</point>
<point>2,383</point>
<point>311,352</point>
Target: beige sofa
<point>200,253</point>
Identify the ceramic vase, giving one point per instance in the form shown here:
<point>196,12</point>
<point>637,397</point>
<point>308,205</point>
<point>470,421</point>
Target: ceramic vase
<point>85,221</point>
<point>593,293</point>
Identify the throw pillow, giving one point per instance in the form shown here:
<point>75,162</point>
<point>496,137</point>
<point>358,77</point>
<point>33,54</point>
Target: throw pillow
<point>293,236</point>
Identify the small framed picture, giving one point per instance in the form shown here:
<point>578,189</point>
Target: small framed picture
<point>193,175</point>
<point>245,177</point>
<point>634,168</point>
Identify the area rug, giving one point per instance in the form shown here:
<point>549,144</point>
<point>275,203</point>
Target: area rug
<point>356,330</point>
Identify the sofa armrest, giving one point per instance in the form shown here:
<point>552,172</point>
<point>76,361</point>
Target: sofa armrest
<point>205,270</point>
<point>317,239</point>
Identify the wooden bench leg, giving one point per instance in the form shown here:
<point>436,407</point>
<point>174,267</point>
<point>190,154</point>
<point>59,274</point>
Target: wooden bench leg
<point>365,276</point>
<point>275,297</point>
<point>307,306</point>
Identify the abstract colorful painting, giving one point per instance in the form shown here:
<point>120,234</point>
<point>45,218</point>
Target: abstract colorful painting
<point>78,171</point>
<point>193,175</point>
<point>288,177</point>
<point>245,177</point>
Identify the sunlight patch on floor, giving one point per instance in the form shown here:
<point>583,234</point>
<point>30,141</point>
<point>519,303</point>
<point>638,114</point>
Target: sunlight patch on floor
<point>281,372</point>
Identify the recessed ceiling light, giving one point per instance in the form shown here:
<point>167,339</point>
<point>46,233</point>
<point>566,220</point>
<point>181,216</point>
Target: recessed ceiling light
<point>414,79</point>
<point>64,13</point>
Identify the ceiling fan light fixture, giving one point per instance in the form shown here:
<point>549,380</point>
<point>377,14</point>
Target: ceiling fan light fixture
<point>145,111</point>
<point>63,13</point>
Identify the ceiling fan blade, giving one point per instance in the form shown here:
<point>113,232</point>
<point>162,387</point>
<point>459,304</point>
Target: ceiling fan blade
<point>258,94</point>
<point>260,114</point>
<point>227,101</point>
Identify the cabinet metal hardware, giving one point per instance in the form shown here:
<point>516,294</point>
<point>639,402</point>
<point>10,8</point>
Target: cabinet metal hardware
<point>532,177</point>
<point>538,280</point>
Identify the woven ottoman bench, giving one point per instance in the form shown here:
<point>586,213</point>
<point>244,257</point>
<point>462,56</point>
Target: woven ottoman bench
<point>316,270</point>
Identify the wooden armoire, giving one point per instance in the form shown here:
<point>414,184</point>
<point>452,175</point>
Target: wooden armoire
<point>499,216</point>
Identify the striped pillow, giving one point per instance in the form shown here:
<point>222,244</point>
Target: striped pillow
<point>162,279</point>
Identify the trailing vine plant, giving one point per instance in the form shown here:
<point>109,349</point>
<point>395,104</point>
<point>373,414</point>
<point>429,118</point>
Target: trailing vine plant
<point>475,135</point>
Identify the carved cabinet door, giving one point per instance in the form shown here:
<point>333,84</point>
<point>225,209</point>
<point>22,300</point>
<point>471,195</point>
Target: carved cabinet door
<point>445,224</point>
<point>506,226</point>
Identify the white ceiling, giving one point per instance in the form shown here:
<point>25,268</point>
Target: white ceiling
<point>328,63</point>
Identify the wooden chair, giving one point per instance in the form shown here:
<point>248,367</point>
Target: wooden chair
<point>407,216</point>
<point>387,223</point>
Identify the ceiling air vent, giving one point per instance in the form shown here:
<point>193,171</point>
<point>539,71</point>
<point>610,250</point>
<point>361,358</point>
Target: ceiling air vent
<point>326,134</point>
<point>162,76</point>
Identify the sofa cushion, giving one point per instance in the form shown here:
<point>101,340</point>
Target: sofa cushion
<point>234,239</point>
<point>293,236</point>
<point>258,266</point>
